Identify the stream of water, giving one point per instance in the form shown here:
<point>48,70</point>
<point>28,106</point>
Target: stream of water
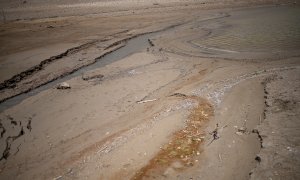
<point>268,30</point>
<point>132,46</point>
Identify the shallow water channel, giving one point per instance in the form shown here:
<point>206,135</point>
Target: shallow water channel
<point>262,31</point>
<point>133,45</point>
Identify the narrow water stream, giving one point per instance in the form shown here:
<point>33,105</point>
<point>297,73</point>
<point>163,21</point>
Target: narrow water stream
<point>133,45</point>
<point>249,33</point>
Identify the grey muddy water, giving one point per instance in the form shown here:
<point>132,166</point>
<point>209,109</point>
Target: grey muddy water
<point>132,46</point>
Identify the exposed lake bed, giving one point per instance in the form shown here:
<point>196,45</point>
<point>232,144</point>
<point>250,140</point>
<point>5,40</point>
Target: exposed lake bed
<point>172,91</point>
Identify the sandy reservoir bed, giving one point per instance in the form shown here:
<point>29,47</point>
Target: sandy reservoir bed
<point>150,90</point>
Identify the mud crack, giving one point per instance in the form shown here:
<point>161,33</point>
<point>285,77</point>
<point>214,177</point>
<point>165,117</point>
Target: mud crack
<point>3,130</point>
<point>12,82</point>
<point>9,140</point>
<point>8,127</point>
<point>259,137</point>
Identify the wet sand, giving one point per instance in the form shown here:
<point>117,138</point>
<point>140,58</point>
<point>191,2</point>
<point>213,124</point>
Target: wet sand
<point>168,105</point>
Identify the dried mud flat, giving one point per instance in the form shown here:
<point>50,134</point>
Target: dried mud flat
<point>150,90</point>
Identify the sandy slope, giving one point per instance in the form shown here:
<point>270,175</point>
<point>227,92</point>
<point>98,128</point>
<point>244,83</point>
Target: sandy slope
<point>166,112</point>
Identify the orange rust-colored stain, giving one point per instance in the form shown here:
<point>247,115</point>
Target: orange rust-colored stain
<point>184,145</point>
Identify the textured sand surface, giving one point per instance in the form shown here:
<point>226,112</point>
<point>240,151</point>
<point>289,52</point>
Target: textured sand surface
<point>175,106</point>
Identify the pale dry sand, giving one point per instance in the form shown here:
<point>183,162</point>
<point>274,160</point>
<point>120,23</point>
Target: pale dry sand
<point>116,120</point>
